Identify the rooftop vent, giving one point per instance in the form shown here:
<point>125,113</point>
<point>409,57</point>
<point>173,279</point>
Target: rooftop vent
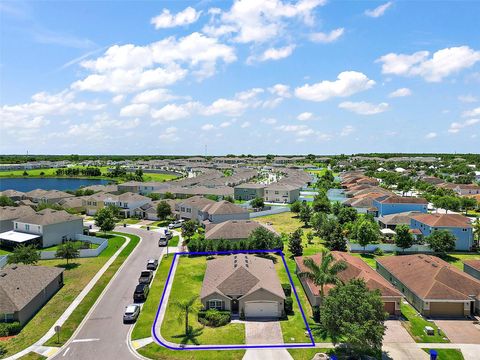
<point>3,274</point>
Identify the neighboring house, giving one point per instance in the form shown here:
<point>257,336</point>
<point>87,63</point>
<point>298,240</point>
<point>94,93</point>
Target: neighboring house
<point>467,189</point>
<point>93,203</point>
<point>356,269</point>
<point>191,208</point>
<point>10,213</point>
<point>47,228</point>
<point>393,220</point>
<point>472,267</point>
<point>74,203</point>
<point>24,289</point>
<point>433,286</point>
<point>142,188</point>
<point>387,205</point>
<point>53,196</point>
<point>243,284</point>
<point>457,224</point>
<point>249,191</point>
<point>222,211</point>
<point>35,195</point>
<point>282,193</point>
<point>126,202</point>
<point>232,230</point>
<point>13,194</point>
<point>149,210</point>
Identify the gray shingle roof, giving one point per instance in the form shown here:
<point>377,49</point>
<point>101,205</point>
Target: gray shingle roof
<point>12,212</point>
<point>48,217</point>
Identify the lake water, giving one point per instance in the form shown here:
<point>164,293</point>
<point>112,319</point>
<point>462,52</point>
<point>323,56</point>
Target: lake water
<point>336,195</point>
<point>28,184</point>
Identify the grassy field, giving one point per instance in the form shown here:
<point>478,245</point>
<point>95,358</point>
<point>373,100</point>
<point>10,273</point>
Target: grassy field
<point>32,356</point>
<point>187,283</point>
<point>129,221</point>
<point>416,324</point>
<point>157,352</point>
<point>309,353</point>
<point>78,244</point>
<point>72,323</point>
<point>447,354</point>
<point>158,177</point>
<point>4,252</point>
<point>458,259</point>
<point>76,276</point>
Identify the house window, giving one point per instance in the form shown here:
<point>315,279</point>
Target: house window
<point>16,225</point>
<point>27,227</point>
<point>215,304</point>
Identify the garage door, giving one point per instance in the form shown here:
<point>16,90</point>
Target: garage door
<point>261,309</point>
<point>446,309</point>
<point>390,307</point>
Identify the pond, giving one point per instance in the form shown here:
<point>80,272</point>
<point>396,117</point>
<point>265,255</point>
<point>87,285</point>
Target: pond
<point>336,195</point>
<point>28,184</point>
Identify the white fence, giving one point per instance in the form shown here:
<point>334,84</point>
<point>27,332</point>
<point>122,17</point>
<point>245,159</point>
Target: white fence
<point>274,210</point>
<point>84,253</point>
<point>354,247</point>
<point>3,260</point>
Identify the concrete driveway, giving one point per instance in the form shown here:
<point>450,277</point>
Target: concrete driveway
<point>396,333</point>
<point>267,354</point>
<point>460,331</point>
<point>263,332</point>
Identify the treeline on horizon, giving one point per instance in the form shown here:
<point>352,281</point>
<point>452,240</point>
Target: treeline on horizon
<point>19,159</point>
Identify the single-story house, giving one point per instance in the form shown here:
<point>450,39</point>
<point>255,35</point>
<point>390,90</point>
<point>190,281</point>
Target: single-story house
<point>356,269</point>
<point>24,289</point>
<point>13,194</point>
<point>433,286</point>
<point>243,284</point>
<point>472,267</point>
<point>232,230</point>
<point>10,213</point>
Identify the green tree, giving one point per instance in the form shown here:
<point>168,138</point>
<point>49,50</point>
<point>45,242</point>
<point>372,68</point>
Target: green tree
<point>336,207</point>
<point>441,241</point>
<point>257,203</point>
<point>325,273</point>
<point>353,315</point>
<point>295,243</point>
<point>295,207</point>
<point>468,203</point>
<point>24,254</point>
<point>334,238</point>
<point>476,228</point>
<point>105,219</point>
<point>321,203</point>
<point>6,201</point>
<point>403,237</point>
<point>168,195</point>
<point>317,222</point>
<point>367,233</point>
<point>347,214</point>
<point>305,214</point>
<point>189,228</point>
<point>67,251</point>
<point>154,196</point>
<point>163,210</point>
<point>185,307</point>
<point>229,198</point>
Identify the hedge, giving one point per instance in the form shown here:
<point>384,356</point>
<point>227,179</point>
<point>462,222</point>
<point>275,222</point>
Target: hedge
<point>214,318</point>
<point>287,289</point>
<point>288,305</point>
<point>8,329</point>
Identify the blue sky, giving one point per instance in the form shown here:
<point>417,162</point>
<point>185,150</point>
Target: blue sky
<point>250,76</point>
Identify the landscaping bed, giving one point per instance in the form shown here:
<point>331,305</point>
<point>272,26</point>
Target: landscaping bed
<point>157,352</point>
<point>416,323</point>
<point>447,354</point>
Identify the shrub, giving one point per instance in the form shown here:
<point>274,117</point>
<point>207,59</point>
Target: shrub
<point>287,289</point>
<point>378,252</point>
<point>316,313</point>
<point>8,329</point>
<point>288,305</point>
<point>214,318</point>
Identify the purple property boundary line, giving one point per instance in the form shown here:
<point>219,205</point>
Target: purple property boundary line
<point>227,347</point>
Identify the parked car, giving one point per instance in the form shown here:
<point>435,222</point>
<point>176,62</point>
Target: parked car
<point>145,277</point>
<point>163,241</point>
<point>152,264</point>
<point>131,313</point>
<point>176,224</point>
<point>141,292</point>
<point>168,234</point>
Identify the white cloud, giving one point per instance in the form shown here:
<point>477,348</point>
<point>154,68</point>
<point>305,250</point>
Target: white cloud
<point>225,106</point>
<point>269,121</point>
<point>226,124</point>
<point>208,127</point>
<point>467,98</point>
<point>332,36</point>
<point>134,110</point>
<point>169,135</point>
<point>153,96</point>
<point>378,11</point>
<point>281,90</point>
<point>364,108</point>
<point>118,99</point>
<point>171,112</point>
<point>298,130</point>
<point>431,135</point>
<point>246,124</point>
<point>471,113</point>
<point>273,54</point>
<point>347,130</point>
<point>347,83</point>
<point>305,116</point>
<point>443,63</point>
<point>455,127</point>
<point>400,93</point>
<point>169,20</point>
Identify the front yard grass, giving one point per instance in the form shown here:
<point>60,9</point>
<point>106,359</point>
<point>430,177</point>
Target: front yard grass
<point>157,352</point>
<point>76,276</point>
<point>447,354</point>
<point>458,259</point>
<point>416,323</point>
<point>130,221</point>
<point>309,353</point>
<point>187,283</point>
<point>32,356</point>
<point>77,244</point>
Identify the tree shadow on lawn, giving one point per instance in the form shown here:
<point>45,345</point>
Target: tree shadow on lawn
<point>69,266</point>
<point>190,336</point>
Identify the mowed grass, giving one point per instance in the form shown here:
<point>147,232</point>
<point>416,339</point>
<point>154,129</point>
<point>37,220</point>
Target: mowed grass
<point>309,353</point>
<point>187,283</point>
<point>157,352</point>
<point>416,325</point>
<point>143,326</point>
<point>458,259</point>
<point>74,320</point>
<point>32,356</point>
<point>447,354</point>
<point>285,222</point>
<point>158,177</point>
<point>50,172</point>
<point>77,244</point>
<point>76,277</point>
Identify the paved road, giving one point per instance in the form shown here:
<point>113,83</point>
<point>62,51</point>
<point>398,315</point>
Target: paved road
<point>103,335</point>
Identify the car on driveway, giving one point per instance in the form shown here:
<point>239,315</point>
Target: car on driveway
<point>168,234</point>
<point>152,264</point>
<point>176,224</point>
<point>141,293</point>
<point>131,313</point>
<point>163,241</point>
<point>146,277</point>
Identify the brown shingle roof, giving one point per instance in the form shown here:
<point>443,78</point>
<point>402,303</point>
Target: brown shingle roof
<point>224,208</point>
<point>48,217</point>
<point>473,264</point>
<point>443,220</point>
<point>12,212</point>
<point>402,200</point>
<point>231,229</point>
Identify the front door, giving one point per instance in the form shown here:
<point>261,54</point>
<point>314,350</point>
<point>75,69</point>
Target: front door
<point>234,306</point>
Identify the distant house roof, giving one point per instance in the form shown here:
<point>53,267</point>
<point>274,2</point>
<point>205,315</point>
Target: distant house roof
<point>475,264</point>
<point>37,193</point>
<point>56,194</point>
<point>251,186</point>
<point>232,229</point>
<point>399,218</point>
<point>356,269</point>
<point>224,208</point>
<point>393,199</point>
<point>240,274</point>
<point>48,217</point>
<point>430,277</point>
<point>15,212</point>
<point>197,201</point>
<point>20,284</point>
<point>12,193</point>
<point>443,220</point>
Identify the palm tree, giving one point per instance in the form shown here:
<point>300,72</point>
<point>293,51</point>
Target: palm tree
<point>476,227</point>
<point>324,273</point>
<point>185,307</point>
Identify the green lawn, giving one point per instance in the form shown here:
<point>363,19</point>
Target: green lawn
<point>130,221</point>
<point>308,353</point>
<point>416,325</point>
<point>157,352</point>
<point>78,244</point>
<point>143,326</point>
<point>69,327</point>
<point>32,356</point>
<point>76,277</point>
<point>4,252</point>
<point>187,283</point>
<point>158,177</point>
<point>50,172</point>
<point>447,354</point>
<point>458,259</point>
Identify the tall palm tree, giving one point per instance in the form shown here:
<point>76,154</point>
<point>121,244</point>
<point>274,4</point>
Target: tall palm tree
<point>186,306</point>
<point>324,273</point>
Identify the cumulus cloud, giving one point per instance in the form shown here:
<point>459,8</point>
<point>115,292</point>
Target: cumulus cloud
<point>455,127</point>
<point>305,116</point>
<point>347,83</point>
<point>208,127</point>
<point>298,130</point>
<point>378,11</point>
<point>169,134</point>
<point>134,110</point>
<point>169,20</point>
<point>471,113</point>
<point>118,99</point>
<point>172,112</point>
<point>153,96</point>
<point>363,108</point>
<point>245,124</point>
<point>281,90</point>
<point>347,130</point>
<point>402,92</point>
<point>467,98</point>
<point>441,64</point>
<point>272,54</point>
<point>431,135</point>
<point>322,37</point>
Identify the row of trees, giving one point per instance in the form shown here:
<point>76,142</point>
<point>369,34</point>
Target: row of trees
<point>30,255</point>
<point>76,171</point>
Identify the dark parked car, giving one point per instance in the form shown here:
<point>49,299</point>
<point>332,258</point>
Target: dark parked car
<point>152,264</point>
<point>131,313</point>
<point>163,241</point>
<point>145,277</point>
<point>168,234</point>
<point>141,292</point>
